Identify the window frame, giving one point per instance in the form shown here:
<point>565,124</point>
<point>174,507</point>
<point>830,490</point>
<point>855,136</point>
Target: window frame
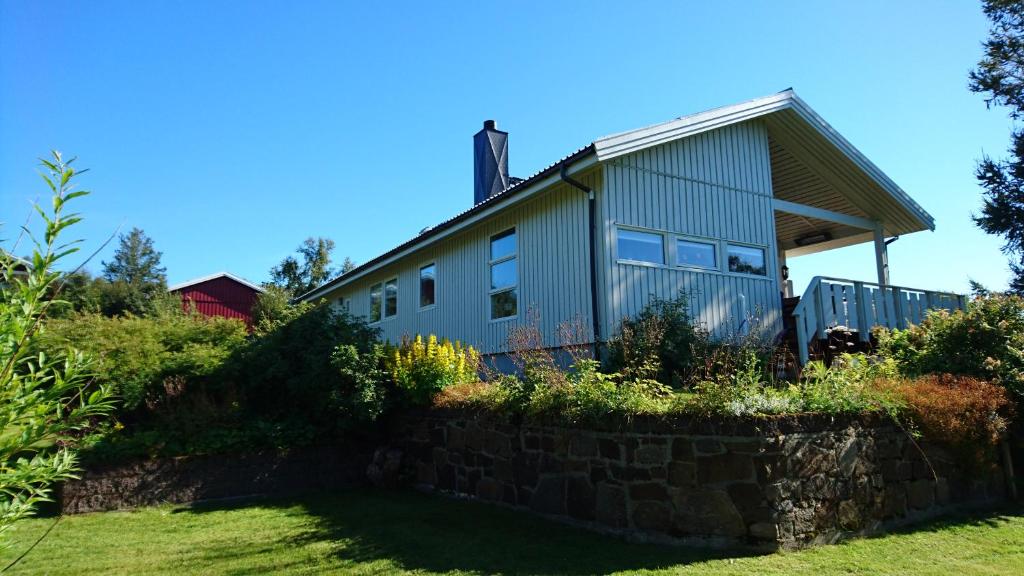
<point>491,262</point>
<point>659,233</point>
<point>716,244</point>
<point>764,255</point>
<point>384,299</point>
<point>419,285</point>
<point>380,310</point>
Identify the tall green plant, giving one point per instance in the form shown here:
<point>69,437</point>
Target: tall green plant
<point>44,397</point>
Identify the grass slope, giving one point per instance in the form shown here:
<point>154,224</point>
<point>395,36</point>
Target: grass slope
<point>369,532</point>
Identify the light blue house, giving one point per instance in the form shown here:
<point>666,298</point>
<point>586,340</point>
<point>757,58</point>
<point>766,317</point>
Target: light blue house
<point>713,203</point>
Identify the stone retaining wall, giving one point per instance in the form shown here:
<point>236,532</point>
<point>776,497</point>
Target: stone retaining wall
<point>189,479</point>
<point>770,483</point>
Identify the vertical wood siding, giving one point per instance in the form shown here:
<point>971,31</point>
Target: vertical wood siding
<point>220,297</point>
<point>714,185</point>
<point>552,276</point>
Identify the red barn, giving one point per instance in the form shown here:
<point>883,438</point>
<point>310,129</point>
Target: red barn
<point>219,294</point>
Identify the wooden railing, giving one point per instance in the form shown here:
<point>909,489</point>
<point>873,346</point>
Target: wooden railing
<point>858,306</point>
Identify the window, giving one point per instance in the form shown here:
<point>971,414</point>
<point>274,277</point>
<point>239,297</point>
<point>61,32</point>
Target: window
<point>696,254</point>
<point>747,260</point>
<point>375,293</point>
<point>428,274</point>
<point>391,298</point>
<point>641,246</point>
<point>504,275</point>
<point>346,304</point>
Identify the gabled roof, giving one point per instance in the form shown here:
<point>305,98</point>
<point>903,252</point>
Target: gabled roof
<point>202,279</point>
<point>789,119</point>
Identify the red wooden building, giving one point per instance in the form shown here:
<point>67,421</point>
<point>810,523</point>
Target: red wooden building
<point>220,294</point>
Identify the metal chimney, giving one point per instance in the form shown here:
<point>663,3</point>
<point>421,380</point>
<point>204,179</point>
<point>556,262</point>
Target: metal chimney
<point>490,162</point>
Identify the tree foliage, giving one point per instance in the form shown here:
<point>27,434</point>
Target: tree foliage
<point>46,396</point>
<point>1000,76</point>
<point>137,280</point>
<point>311,269</point>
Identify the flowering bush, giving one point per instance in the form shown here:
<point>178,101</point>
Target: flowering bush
<point>425,368</point>
<point>986,341</point>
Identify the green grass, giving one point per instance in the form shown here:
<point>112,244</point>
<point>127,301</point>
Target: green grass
<point>370,532</point>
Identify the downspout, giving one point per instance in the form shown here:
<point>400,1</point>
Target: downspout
<point>592,249</point>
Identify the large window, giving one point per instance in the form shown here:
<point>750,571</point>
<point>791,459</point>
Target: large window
<point>375,300</point>
<point>747,260</point>
<point>641,246</point>
<point>428,285</point>
<point>504,275</point>
<point>391,298</point>
<point>696,254</point>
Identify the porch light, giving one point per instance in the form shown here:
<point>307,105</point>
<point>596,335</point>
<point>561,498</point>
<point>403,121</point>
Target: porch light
<point>816,238</point>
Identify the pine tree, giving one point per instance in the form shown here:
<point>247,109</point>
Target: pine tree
<point>1000,75</point>
<point>135,275</point>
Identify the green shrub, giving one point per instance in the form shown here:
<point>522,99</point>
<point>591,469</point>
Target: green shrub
<point>986,341</point>
<point>135,356</point>
<point>662,342</point>
<point>422,369</point>
<point>362,394</point>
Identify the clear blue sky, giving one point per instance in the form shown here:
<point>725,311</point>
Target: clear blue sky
<point>231,131</point>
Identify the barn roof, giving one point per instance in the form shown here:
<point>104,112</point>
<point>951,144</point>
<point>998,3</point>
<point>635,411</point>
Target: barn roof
<point>811,141</point>
<point>202,279</point>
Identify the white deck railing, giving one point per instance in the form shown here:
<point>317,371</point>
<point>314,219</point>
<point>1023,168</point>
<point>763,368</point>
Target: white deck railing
<point>860,306</point>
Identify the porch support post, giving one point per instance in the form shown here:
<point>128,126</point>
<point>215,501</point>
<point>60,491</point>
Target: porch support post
<point>881,255</point>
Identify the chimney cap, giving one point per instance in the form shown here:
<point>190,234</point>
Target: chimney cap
<point>490,125</point>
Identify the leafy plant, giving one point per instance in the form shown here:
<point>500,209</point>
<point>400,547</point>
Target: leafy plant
<point>986,341</point>
<point>45,395</point>
<point>423,369</point>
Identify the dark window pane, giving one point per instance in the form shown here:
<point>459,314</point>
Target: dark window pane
<point>503,304</point>
<point>503,244</point>
<point>641,247</point>
<point>427,285</point>
<point>390,298</point>
<point>375,293</point>
<point>700,254</point>
<point>503,274</point>
<point>747,260</point>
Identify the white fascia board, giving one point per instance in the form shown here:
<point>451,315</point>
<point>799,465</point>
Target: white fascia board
<point>202,279</point>
<point>822,214</point>
<point>512,200</point>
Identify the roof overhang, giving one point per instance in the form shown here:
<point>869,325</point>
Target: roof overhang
<point>798,128</point>
<point>202,279</point>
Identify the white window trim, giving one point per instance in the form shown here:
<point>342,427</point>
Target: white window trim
<point>369,300</point>
<point>764,251</point>
<point>674,250</point>
<point>669,247</point>
<point>664,250</point>
<point>384,299</point>
<point>419,285</point>
<point>490,263</point>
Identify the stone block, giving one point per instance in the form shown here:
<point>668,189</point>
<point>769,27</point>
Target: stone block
<point>708,446</point>
<point>849,457</point>
<point>579,498</point>
<point>648,491</point>
<point>610,506</point>
<point>745,496</point>
<point>497,444</point>
<point>652,516</point>
<point>549,497</point>
<point>583,446</point>
<point>531,442</point>
<point>610,449</point>
<point>708,512</point>
<point>682,449</point>
<point>849,515</point>
<point>682,474</point>
<point>650,455</point>
<point>895,502</point>
<point>724,468</point>
<point>456,438</point>
<point>921,494</point>
<point>426,474</point>
<point>629,473</point>
<point>896,470</point>
<point>474,437</point>
<point>490,489</point>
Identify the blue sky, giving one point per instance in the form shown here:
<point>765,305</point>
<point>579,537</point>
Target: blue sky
<point>231,131</point>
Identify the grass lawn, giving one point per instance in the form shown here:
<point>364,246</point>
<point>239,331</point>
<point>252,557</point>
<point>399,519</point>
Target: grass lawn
<point>370,532</point>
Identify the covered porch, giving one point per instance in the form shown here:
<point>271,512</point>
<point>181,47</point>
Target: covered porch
<point>828,196</point>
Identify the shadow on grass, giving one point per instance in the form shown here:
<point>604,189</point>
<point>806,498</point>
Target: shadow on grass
<point>413,531</point>
<point>437,534</point>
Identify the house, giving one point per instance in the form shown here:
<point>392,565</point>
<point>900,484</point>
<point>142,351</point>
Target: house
<point>220,294</point>
<point>713,203</point>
